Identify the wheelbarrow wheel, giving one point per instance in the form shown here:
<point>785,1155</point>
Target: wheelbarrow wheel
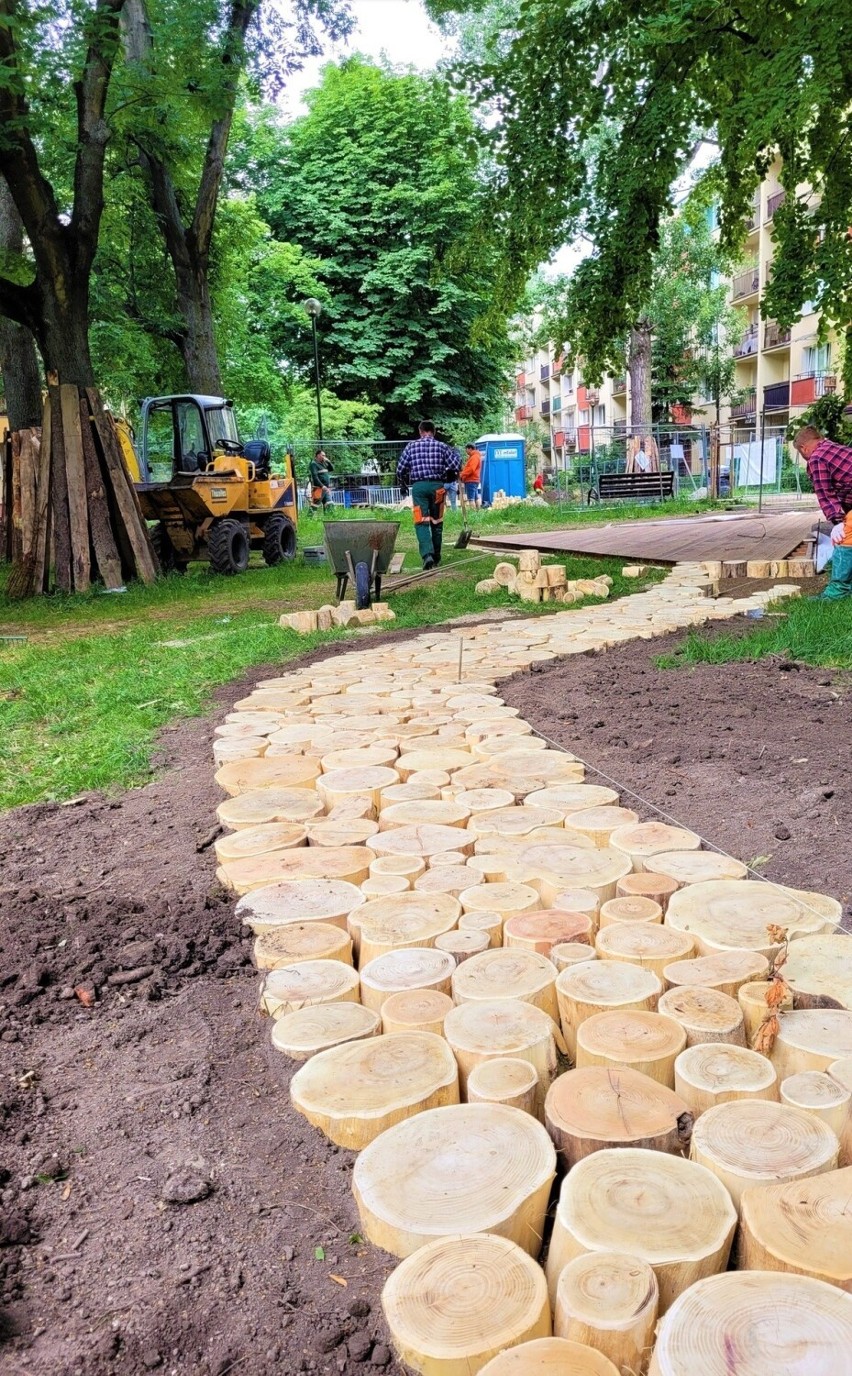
<point>362,587</point>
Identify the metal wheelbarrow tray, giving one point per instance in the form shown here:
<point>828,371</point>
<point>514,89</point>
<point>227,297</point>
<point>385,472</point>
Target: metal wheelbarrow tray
<point>362,551</point>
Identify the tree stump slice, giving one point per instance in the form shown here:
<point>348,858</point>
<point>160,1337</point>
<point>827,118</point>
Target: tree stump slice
<point>507,974</point>
<point>714,1073</point>
<point>279,772</point>
<point>307,1031</point>
<point>772,1323</point>
<point>479,800</point>
<point>727,915</point>
<point>550,1357</point>
<point>816,1092</point>
<point>598,823</point>
<point>451,879</point>
<point>609,1301</point>
<point>428,812</point>
<point>568,953</point>
<point>821,965</point>
<point>506,1080</point>
<point>641,841</point>
<point>568,798</point>
<point>347,864</point>
<point>474,1168</point>
<point>462,945</point>
<point>266,805</point>
<point>415,967</point>
<point>423,840</point>
<point>698,866</point>
<point>647,1042</point>
<point>800,1226</point>
<point>352,810</point>
<point>445,760</point>
<point>593,986</point>
<point>416,1010</point>
<point>332,831</point>
<point>494,745</point>
<point>580,901</point>
<point>479,1032</point>
<point>444,858</point>
<point>649,884</point>
<point>704,1014</point>
<point>726,972</point>
<point>459,1301</point>
<point>364,782</point>
<point>384,885</point>
<point>490,923</point>
<point>408,867</point>
<point>508,899</point>
<point>635,909</point>
<point>596,1108</point>
<point>755,1142</point>
<point>810,1039</point>
<point>511,822</point>
<point>298,941</point>
<point>669,1212</point>
<point>402,920</point>
<point>224,750</point>
<point>751,998</point>
<point>643,943</point>
<point>571,867</point>
<point>841,1071</point>
<point>541,931</point>
<point>260,840</point>
<point>356,757</point>
<point>415,790</point>
<point>305,983</point>
<point>357,1091</point>
<point>305,900</point>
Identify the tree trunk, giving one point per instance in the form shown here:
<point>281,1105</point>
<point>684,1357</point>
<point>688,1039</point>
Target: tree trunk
<point>639,369</point>
<point>197,343</point>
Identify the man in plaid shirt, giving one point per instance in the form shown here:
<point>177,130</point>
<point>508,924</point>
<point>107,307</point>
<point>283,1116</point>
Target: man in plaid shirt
<point>425,466</point>
<point>830,471</point>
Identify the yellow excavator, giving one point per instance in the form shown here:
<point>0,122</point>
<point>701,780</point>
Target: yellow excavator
<point>211,496</point>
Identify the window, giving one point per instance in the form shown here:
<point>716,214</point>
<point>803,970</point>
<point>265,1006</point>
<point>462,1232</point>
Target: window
<point>159,444</point>
<point>600,415</point>
<point>817,359</point>
<point>190,428</point>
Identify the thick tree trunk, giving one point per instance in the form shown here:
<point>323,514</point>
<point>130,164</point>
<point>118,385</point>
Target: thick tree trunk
<point>198,340</point>
<point>21,376</point>
<point>639,368</point>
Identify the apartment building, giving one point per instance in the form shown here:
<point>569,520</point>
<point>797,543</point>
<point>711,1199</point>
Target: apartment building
<point>574,417</point>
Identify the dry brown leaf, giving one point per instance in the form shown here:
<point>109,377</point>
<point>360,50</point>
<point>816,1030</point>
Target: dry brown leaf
<point>777,934</point>
<point>66,1193</point>
<point>778,991</point>
<point>764,1037</point>
<point>86,996</point>
<point>338,1280</point>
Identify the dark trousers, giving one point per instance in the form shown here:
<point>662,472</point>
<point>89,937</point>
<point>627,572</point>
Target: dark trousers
<point>427,504</point>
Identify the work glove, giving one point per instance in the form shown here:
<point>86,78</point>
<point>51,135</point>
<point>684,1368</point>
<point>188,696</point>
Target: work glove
<point>838,533</point>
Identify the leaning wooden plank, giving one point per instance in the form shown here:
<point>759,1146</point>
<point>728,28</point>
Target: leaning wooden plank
<point>61,522</point>
<point>69,401</point>
<point>126,500</point>
<point>103,540</point>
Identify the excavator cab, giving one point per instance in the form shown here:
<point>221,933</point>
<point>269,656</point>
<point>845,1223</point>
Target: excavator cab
<point>211,496</point>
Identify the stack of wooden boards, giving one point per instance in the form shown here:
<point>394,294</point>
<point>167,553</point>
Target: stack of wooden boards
<point>494,978</point>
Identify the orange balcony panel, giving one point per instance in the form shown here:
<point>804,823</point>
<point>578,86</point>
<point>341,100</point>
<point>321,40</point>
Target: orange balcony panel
<point>803,391</point>
<point>681,414</point>
<point>582,396</point>
<point>521,380</point>
<point>583,441</point>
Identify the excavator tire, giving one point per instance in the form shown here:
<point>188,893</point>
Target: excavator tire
<point>279,540</point>
<point>165,550</point>
<point>228,546</point>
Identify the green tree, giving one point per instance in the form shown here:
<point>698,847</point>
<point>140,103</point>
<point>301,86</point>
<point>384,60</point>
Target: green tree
<point>380,184</point>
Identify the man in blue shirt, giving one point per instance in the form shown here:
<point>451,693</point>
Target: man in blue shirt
<point>425,466</point>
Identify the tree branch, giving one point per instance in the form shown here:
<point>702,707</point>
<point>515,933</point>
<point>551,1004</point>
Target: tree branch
<point>19,303</point>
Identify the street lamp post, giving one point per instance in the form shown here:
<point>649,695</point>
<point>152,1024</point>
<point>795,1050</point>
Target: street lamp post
<point>313,308</point>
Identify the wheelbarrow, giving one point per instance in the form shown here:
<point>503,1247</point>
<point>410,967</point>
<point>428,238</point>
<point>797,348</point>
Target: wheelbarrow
<point>360,551</point>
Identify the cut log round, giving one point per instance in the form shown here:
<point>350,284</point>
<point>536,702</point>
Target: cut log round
<point>444,759</point>
<point>225,750</point>
<point>408,867</point>
<point>704,1014</point>
<point>669,1212</point>
<point>752,1000</point>
<point>491,923</point>
<point>495,744</point>
<point>416,1010</point>
<point>348,864</point>
<point>514,821</point>
<point>474,1168</point>
<point>410,792</point>
<point>698,866</point>
<point>641,841</point>
<point>383,885</point>
<point>357,757</point>
<point>841,1071</point>
<point>567,798</point>
<point>480,1032</point>
<point>279,771</point>
<point>508,899</point>
<point>507,974</point>
<point>811,1039</point>
<point>568,953</point>
<point>635,909</point>
<point>570,867</point>
<point>426,813</point>
<point>352,831</point>
<point>306,900</point>
<point>307,1031</point>
<point>305,983</point>
<point>726,972</point>
<point>478,800</point>
<point>451,879</point>
<point>598,823</point>
<point>301,941</point>
<point>416,967</point>
<point>352,810</point>
<point>367,781</point>
<point>647,1042</point>
<point>445,858</point>
<point>586,989</point>
<point>649,884</point>
<point>609,1301</point>
<point>541,931</point>
<point>821,965</point>
<point>756,1142</point>
<point>726,915</point>
<point>594,1108</point>
<point>269,805</point>
<point>506,1080</point>
<point>643,943</point>
<point>817,1092</point>
<point>580,901</point>
<point>426,840</point>
<point>550,1357</point>
<point>459,1301</point>
<point>772,1323</point>
<point>713,1073</point>
<point>462,945</point>
<point>354,1092</point>
<point>402,919</point>
<point>800,1226</point>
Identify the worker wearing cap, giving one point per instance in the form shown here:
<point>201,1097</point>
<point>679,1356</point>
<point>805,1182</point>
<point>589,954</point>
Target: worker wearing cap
<point>830,471</point>
<point>472,473</point>
<point>425,465</point>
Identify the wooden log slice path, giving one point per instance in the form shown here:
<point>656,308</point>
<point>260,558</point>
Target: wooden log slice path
<point>755,1142</point>
<point>698,866</point>
<point>725,915</point>
<point>281,771</point>
<point>510,974</point>
<point>810,1039</point>
<point>426,840</point>
<point>550,1357</point>
<point>590,1109</point>
<point>306,1031</point>
<point>592,986</point>
<point>821,965</point>
<point>415,967</point>
<point>542,930</point>
<point>643,943</point>
<point>416,1010</point>
<point>400,920</point>
<point>307,982</point>
<point>260,840</point>
<point>609,1301</point>
<point>647,1042</point>
<point>479,1032</point>
<point>727,972</point>
<point>706,1015</point>
<point>308,900</point>
<point>799,1226</point>
<point>269,805</point>
<point>297,941</point>
<point>712,1073</point>
<point>505,1080</point>
<point>641,841</point>
<point>350,864</point>
<point>568,953</point>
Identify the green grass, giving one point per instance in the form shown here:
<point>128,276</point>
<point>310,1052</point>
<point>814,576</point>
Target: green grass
<point>818,633</point>
<point>83,698</point>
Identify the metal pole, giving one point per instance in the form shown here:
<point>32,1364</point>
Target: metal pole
<point>317,379</point>
<point>762,437</point>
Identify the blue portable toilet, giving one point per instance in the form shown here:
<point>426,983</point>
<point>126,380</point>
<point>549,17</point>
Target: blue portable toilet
<point>504,466</point>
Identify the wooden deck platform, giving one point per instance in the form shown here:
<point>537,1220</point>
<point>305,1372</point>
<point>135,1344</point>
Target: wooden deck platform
<point>726,535</point>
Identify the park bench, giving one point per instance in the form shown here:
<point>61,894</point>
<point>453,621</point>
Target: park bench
<point>632,487</point>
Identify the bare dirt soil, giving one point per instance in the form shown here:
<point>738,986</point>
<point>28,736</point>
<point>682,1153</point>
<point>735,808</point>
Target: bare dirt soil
<point>163,1208</point>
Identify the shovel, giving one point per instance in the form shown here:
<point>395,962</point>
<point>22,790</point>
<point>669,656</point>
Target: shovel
<point>466,534</point>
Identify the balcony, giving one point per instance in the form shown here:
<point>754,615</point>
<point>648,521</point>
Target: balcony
<point>521,381</point>
<point>809,386</point>
<point>774,337</point>
<point>746,407</point>
<point>746,283</point>
<point>544,372</point>
<point>774,202</point>
<point>556,369</point>
<point>559,439</point>
<point>776,397</point>
<point>545,408</point>
<point>619,429</point>
<point>753,221</point>
<point>619,385</point>
<point>556,405</point>
<point>583,440</point>
<point>748,344</point>
<point>522,413</point>
<point>582,396</point>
